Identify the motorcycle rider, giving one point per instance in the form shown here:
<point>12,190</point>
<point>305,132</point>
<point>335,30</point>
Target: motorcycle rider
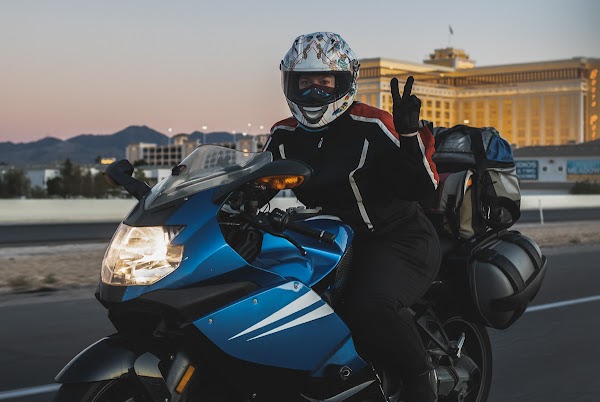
<point>370,169</point>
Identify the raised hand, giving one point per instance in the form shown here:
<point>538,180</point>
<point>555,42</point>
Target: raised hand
<point>407,107</point>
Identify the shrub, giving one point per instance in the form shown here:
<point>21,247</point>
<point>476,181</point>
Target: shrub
<point>585,187</point>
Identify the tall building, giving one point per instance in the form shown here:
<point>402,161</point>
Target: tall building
<point>161,155</point>
<point>541,103</point>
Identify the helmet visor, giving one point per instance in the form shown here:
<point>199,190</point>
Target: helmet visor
<point>317,88</point>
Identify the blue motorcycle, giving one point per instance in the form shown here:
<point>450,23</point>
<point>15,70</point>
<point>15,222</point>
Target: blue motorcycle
<point>216,297</point>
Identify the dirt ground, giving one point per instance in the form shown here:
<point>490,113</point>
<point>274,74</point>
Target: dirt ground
<point>27,269</point>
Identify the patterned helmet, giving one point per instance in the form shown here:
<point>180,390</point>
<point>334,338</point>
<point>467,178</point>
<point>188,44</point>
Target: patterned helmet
<point>320,54</point>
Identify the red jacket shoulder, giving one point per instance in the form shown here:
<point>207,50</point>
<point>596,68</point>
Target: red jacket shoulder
<point>287,124</point>
<point>364,112</point>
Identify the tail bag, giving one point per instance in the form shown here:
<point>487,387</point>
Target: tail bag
<point>479,189</point>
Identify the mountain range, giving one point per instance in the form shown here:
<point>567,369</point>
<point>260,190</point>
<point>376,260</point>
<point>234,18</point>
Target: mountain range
<point>85,148</point>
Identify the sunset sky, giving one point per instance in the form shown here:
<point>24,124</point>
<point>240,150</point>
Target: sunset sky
<point>96,67</point>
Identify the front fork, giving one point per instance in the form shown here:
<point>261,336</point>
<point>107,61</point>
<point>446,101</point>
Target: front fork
<point>152,382</point>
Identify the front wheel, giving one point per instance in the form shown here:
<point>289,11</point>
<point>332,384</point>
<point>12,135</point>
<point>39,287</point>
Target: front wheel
<point>117,390</point>
<point>477,346</point>
<point>123,390</point>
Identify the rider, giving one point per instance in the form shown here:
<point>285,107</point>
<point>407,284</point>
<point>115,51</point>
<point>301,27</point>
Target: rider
<point>370,169</point>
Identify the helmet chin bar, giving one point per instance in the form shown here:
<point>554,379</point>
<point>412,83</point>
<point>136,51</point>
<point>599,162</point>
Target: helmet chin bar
<point>313,114</point>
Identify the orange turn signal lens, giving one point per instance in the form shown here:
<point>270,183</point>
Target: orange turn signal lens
<point>185,379</point>
<point>281,182</point>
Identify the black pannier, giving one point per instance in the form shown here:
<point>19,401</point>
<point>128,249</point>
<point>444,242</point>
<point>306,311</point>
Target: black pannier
<point>496,278</point>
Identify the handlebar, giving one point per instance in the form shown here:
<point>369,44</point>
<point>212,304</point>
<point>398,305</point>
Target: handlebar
<point>281,220</point>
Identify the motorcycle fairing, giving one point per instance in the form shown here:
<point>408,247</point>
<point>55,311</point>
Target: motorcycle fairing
<point>344,356</point>
<point>281,327</point>
<point>206,254</point>
<point>279,256</point>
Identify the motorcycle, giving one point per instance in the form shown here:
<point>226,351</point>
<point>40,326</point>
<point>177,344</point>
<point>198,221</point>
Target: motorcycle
<point>215,297</point>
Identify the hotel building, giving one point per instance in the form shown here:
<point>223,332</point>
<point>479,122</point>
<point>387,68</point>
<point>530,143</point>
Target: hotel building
<point>541,103</point>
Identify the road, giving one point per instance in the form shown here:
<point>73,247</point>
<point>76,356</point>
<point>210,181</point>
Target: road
<point>21,234</point>
<point>549,355</point>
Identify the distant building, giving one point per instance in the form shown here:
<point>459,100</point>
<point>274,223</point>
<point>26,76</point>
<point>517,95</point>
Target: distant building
<point>541,103</point>
<point>38,177</point>
<point>553,169</point>
<point>161,155</point>
<point>170,155</point>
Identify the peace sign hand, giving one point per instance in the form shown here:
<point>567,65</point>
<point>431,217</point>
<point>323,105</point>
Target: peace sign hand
<point>407,107</point>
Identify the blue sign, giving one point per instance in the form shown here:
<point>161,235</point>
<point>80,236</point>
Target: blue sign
<point>527,170</point>
<point>583,167</point>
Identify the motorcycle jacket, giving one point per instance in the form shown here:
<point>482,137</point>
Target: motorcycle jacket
<point>364,172</point>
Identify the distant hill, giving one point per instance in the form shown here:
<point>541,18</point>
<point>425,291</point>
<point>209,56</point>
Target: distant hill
<point>83,149</point>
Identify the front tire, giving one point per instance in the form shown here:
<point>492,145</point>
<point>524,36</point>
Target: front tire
<point>478,347</point>
<point>116,390</point>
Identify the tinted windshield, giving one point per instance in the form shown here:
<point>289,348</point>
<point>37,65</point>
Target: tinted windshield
<point>207,167</point>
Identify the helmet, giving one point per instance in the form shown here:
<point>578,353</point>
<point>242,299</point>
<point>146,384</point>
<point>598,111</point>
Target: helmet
<point>313,55</point>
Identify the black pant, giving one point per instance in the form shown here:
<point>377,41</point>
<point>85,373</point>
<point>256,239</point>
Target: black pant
<point>390,271</point>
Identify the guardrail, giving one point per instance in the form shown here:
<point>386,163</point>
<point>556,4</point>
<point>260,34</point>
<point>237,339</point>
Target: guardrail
<point>17,211</point>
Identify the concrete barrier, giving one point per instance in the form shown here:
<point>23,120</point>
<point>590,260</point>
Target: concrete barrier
<point>532,202</point>
<point>15,212</point>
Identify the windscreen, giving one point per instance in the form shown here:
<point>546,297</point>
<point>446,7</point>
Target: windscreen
<point>207,167</point>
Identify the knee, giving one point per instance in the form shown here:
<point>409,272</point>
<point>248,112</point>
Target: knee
<point>372,313</point>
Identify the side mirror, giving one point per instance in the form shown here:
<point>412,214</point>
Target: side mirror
<point>119,174</point>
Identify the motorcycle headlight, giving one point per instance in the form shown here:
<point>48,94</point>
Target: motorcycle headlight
<point>141,255</point>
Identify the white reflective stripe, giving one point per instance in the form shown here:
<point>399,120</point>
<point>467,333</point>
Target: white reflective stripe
<point>267,143</point>
<point>302,302</point>
<point>410,135</point>
<point>359,200</point>
<point>344,395</point>
<point>321,312</point>
<point>381,125</point>
<point>282,151</point>
<point>288,128</point>
<point>426,162</point>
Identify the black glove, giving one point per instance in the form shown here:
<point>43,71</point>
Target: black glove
<point>406,107</point>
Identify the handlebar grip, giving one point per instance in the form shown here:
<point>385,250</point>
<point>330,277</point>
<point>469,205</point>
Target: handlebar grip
<point>320,235</point>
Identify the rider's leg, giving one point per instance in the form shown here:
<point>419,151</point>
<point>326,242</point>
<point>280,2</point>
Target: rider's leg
<point>389,273</point>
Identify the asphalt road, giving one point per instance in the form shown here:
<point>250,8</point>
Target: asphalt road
<point>549,355</point>
<point>27,234</point>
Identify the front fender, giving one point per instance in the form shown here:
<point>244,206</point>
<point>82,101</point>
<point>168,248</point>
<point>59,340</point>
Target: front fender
<point>106,359</point>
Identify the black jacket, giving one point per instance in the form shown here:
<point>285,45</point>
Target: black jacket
<point>364,172</point>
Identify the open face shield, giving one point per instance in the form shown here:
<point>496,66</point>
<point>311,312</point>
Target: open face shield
<point>315,95</point>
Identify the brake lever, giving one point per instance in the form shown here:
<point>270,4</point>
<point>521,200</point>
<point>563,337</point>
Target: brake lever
<point>262,222</point>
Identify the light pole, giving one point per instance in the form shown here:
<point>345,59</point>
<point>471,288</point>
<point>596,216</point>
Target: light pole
<point>204,128</point>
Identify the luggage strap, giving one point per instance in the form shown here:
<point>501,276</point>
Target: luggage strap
<point>505,265</point>
<point>520,241</point>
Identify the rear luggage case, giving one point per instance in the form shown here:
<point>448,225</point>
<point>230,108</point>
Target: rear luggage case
<point>496,277</point>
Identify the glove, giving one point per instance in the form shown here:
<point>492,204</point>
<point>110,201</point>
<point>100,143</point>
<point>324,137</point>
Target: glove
<point>406,108</point>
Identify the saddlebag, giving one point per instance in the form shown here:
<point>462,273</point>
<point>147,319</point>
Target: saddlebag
<point>497,277</point>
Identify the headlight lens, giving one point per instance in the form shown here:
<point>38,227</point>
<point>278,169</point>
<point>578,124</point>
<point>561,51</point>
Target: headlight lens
<point>141,255</point>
